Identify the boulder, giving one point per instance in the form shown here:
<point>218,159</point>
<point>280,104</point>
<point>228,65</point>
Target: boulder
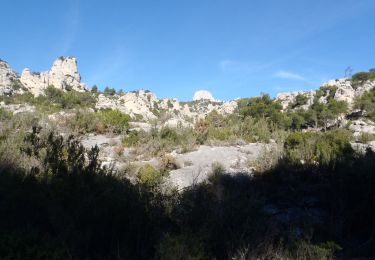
<point>203,95</point>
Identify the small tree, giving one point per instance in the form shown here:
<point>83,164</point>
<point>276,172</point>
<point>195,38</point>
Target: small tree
<point>94,89</point>
<point>109,91</point>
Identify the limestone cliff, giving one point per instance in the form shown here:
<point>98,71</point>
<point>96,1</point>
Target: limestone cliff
<point>63,75</point>
<point>9,83</point>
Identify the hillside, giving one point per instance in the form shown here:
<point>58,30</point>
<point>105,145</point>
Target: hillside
<point>125,175</point>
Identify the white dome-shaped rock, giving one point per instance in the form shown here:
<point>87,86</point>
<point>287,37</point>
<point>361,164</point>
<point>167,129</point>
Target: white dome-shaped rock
<point>203,95</point>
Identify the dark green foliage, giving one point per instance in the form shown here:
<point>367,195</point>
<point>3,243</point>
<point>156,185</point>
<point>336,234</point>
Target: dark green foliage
<point>71,208</point>
<point>115,120</point>
<point>324,148</point>
<point>109,91</point>
<point>293,212</point>
<point>264,107</point>
<point>5,115</point>
<point>330,111</point>
<point>363,76</point>
<point>94,89</point>
<point>300,101</point>
<point>157,142</point>
<point>17,85</point>
<point>54,100</point>
<point>367,103</point>
<point>103,121</point>
<point>67,100</point>
<point>168,134</point>
<point>326,91</point>
<point>259,107</point>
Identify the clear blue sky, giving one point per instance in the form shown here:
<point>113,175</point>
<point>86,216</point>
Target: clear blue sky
<point>234,48</point>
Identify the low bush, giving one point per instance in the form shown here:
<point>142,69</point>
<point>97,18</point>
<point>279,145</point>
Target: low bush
<point>115,120</point>
<point>149,176</point>
<point>168,163</point>
<point>326,149</point>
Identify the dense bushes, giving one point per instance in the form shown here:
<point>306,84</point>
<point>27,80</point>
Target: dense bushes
<point>103,121</point>
<point>114,119</point>
<point>366,102</point>
<point>363,76</point>
<point>69,99</point>
<point>287,212</point>
<point>72,209</point>
<point>55,100</point>
<point>157,142</point>
<point>326,149</point>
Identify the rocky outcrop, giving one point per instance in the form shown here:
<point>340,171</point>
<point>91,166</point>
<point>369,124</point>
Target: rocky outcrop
<point>345,91</point>
<point>143,104</point>
<point>287,98</point>
<point>137,103</point>
<point>8,79</point>
<point>362,126</point>
<point>63,75</point>
<point>203,95</point>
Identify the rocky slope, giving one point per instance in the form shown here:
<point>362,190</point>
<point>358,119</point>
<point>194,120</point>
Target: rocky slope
<point>143,105</point>
<point>140,104</point>
<point>346,90</point>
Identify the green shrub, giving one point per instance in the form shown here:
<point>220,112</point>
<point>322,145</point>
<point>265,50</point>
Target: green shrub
<point>366,137</point>
<point>366,102</point>
<point>217,172</point>
<point>168,134</point>
<point>334,146</point>
<point>115,120</point>
<point>149,176</point>
<point>300,100</point>
<point>5,115</point>
<point>69,99</point>
<point>184,246</point>
<point>109,91</point>
<point>133,138</point>
<point>363,76</point>
<point>220,133</point>
<point>85,122</point>
<point>301,147</point>
<point>255,130</point>
<point>326,149</point>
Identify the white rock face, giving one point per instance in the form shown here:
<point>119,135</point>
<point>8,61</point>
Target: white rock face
<point>63,75</point>
<point>133,103</point>
<point>203,95</point>
<point>345,92</point>
<point>361,126</point>
<point>7,78</point>
<point>287,98</point>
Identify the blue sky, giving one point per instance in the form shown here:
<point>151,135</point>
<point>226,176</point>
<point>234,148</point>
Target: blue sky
<point>233,48</point>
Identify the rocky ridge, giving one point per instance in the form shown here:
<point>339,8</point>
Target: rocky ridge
<point>345,91</point>
<point>145,105</point>
<point>63,75</point>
